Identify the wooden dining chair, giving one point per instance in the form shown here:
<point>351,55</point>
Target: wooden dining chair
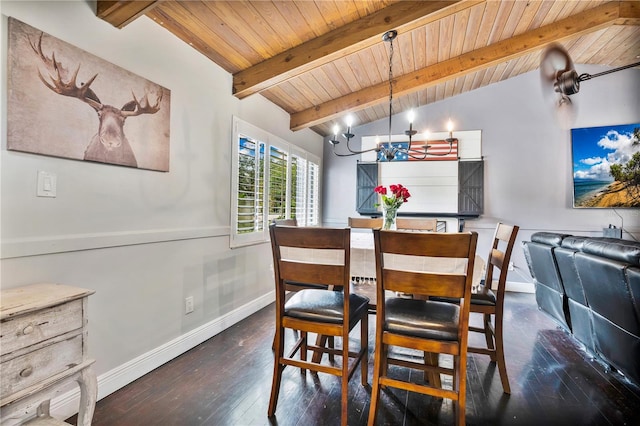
<point>417,224</point>
<point>422,325</point>
<point>490,303</point>
<point>286,222</point>
<point>324,312</point>
<point>365,222</point>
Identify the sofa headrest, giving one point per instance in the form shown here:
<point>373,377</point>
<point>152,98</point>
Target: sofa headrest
<point>549,238</point>
<point>574,243</point>
<point>621,250</point>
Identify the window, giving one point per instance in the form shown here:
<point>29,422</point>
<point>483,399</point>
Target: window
<point>271,180</point>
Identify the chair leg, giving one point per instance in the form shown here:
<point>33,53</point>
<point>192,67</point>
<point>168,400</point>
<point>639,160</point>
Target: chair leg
<point>502,366</point>
<point>375,387</point>
<point>344,381</point>
<point>460,385</point>
<point>364,347</point>
<point>277,372</point>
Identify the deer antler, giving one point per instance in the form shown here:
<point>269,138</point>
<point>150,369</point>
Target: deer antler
<point>142,106</point>
<point>57,85</point>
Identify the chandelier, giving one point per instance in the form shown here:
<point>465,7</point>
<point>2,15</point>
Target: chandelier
<point>388,151</point>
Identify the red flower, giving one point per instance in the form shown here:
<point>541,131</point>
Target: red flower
<point>399,195</point>
<point>381,190</point>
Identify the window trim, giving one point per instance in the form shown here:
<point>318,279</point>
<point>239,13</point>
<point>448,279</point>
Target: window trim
<point>243,128</point>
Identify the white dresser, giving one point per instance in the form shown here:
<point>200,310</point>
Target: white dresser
<point>43,348</point>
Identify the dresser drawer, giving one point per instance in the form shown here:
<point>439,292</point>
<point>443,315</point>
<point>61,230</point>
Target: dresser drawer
<point>33,367</point>
<point>26,330</point>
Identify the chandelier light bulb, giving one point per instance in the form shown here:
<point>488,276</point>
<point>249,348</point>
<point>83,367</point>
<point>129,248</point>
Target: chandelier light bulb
<point>336,129</point>
<point>349,120</point>
<point>450,126</point>
<point>411,115</point>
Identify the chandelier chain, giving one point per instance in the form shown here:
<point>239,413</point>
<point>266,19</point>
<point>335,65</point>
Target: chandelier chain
<point>390,87</point>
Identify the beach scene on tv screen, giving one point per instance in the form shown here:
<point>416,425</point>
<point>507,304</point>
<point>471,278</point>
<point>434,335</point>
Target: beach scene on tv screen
<point>606,166</point>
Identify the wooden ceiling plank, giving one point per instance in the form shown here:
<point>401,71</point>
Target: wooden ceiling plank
<point>627,39</point>
<point>350,38</point>
<point>419,41</point>
<point>582,23</point>
<point>473,28</point>
<point>446,36</point>
<point>600,50</point>
<point>486,24</point>
<point>433,41</point>
<point>524,24</point>
<point>175,20</point>
<point>499,23</point>
<point>235,16</point>
<point>404,49</point>
<point>121,13</point>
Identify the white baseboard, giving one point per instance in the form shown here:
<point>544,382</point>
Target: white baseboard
<point>66,405</point>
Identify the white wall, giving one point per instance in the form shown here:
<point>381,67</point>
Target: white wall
<point>142,240</point>
<point>528,171</point>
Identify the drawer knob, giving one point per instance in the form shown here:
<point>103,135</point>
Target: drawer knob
<point>28,330</point>
<point>26,372</point>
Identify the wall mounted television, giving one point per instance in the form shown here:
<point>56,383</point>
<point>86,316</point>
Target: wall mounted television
<point>606,166</point>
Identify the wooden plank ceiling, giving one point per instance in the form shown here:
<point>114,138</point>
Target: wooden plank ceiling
<point>322,59</point>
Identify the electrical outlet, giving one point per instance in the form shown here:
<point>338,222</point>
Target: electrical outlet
<point>188,305</point>
<point>511,267</point>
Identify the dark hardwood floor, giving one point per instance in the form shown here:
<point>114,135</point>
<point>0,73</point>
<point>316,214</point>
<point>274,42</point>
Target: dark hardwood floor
<point>227,380</point>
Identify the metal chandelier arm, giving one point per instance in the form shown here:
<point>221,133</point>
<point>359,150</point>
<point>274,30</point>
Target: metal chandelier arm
<point>351,152</point>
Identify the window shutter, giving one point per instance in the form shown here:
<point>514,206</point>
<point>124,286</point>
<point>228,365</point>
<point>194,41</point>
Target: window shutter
<point>251,181</point>
<point>471,187</point>
<point>313,195</point>
<point>277,183</point>
<point>367,180</point>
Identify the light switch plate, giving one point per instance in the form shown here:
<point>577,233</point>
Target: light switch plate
<point>47,183</point>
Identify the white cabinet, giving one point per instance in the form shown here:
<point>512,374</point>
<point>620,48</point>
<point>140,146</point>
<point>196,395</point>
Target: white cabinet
<point>43,344</point>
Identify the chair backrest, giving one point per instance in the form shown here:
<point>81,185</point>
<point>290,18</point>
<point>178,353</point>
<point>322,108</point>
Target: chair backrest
<point>365,222</point>
<point>328,264</point>
<point>286,222</point>
<point>424,245</point>
<point>418,224</point>
<point>499,257</point>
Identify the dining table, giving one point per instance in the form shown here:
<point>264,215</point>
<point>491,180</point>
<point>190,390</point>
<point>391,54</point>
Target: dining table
<point>363,263</point>
<point>362,267</point>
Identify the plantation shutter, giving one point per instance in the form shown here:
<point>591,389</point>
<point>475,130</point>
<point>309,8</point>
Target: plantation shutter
<point>250,201</point>
<point>277,183</point>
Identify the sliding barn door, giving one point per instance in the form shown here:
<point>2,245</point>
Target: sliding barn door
<point>471,187</point>
<point>367,180</point>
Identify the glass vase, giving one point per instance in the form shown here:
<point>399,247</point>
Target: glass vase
<point>389,215</point>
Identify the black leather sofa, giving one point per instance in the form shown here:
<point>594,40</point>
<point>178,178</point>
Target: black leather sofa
<point>591,287</point>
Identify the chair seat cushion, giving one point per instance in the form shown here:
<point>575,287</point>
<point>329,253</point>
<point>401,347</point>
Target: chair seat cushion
<point>422,318</point>
<point>486,298</point>
<point>325,306</point>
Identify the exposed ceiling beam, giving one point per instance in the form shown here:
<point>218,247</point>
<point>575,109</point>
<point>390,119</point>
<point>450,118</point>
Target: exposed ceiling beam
<point>620,13</point>
<point>121,13</point>
<point>350,38</point>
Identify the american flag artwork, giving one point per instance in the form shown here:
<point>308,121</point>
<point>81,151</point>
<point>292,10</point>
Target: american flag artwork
<point>438,147</point>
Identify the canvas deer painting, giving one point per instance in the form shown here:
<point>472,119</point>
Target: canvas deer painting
<point>65,102</point>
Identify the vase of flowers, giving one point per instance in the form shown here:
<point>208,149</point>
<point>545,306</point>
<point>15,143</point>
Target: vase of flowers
<point>391,203</point>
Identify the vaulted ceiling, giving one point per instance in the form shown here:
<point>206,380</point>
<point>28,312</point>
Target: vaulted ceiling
<point>322,59</point>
